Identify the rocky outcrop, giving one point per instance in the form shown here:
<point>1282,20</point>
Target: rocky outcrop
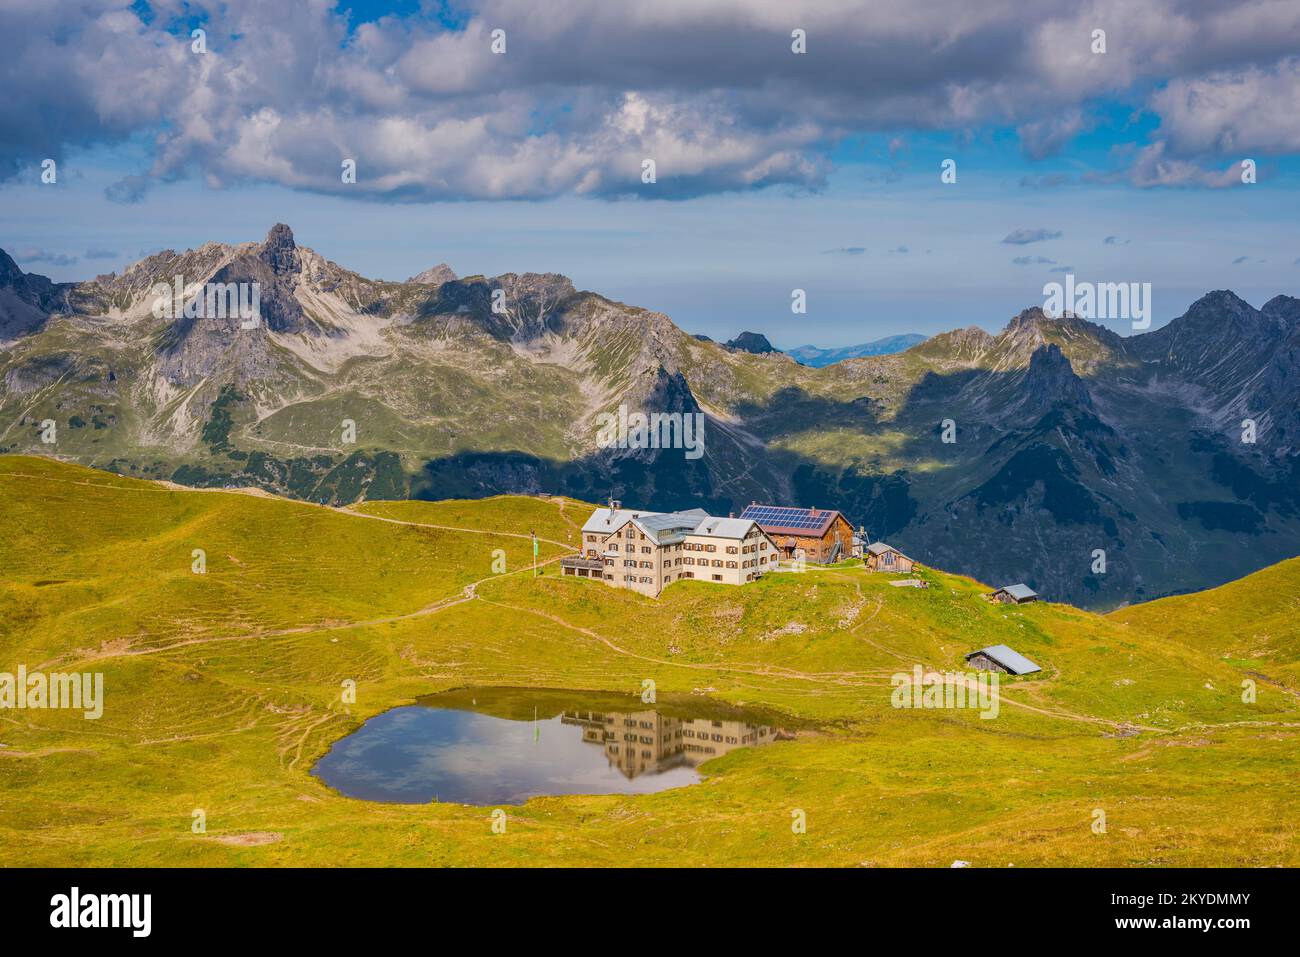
<point>1050,380</point>
<point>754,342</point>
<point>435,275</point>
<point>26,299</point>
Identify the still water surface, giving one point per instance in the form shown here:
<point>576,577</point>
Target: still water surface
<point>491,746</point>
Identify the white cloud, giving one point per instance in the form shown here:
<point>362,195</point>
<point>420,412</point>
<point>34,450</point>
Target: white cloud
<point>1153,167</point>
<point>587,89</point>
<point>1233,112</point>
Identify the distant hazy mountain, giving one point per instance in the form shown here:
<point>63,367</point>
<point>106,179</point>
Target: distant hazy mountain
<point>1096,468</point>
<point>817,357</point>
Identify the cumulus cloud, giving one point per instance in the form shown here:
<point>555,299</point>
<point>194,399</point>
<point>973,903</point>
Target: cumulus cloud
<point>1153,167</point>
<point>1048,136</point>
<point>587,90</point>
<point>1033,261</point>
<point>1023,237</point>
<point>1230,112</point>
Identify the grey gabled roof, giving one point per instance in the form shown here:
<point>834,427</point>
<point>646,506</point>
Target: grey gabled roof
<point>606,520</point>
<point>1019,591</point>
<point>724,527</point>
<point>879,548</point>
<point>1013,661</point>
<point>661,521</point>
<point>668,527</point>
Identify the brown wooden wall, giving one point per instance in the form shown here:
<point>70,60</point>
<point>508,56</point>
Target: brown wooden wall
<point>819,549</point>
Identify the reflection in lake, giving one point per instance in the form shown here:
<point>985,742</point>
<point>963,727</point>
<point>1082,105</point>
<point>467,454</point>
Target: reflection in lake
<point>505,745</point>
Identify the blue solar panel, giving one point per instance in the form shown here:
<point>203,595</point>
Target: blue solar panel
<point>788,517</point>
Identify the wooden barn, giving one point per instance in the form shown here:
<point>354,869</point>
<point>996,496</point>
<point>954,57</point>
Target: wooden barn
<point>1003,659</point>
<point>1014,594</point>
<point>879,557</point>
<point>824,534</point>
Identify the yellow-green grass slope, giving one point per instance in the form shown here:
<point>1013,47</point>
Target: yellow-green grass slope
<point>222,690</point>
<point>1252,623</point>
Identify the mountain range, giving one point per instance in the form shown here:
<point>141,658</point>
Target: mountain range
<point>818,357</point>
<point>1099,469</point>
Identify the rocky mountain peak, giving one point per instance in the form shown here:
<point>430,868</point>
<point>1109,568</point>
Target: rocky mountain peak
<point>1051,379</point>
<point>435,275</point>
<point>9,271</point>
<point>1034,318</point>
<point>971,336</point>
<point>1023,334</point>
<point>1220,322</point>
<point>754,342</point>
<point>27,298</point>
<point>280,252</point>
<point>1027,318</point>
<point>1220,304</point>
<point>958,346</point>
<point>1284,308</point>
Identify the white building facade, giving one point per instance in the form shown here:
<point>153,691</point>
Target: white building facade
<point>647,551</point>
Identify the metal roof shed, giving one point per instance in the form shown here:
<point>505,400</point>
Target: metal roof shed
<point>1013,661</point>
<point>1018,593</point>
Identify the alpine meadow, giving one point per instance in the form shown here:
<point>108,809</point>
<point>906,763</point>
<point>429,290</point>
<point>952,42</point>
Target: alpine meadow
<point>442,441</point>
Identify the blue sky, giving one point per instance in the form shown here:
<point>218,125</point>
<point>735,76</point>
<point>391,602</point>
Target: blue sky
<point>769,178</point>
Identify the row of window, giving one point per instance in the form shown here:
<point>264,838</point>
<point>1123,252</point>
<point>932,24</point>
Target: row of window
<point>716,562</point>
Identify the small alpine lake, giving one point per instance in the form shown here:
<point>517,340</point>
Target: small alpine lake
<point>494,746</point>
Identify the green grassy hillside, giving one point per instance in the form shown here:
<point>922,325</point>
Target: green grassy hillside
<point>1253,623</point>
<point>222,689</point>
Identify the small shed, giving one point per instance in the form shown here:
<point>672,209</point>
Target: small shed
<point>1014,594</point>
<point>1003,659</point>
<point>880,557</point>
